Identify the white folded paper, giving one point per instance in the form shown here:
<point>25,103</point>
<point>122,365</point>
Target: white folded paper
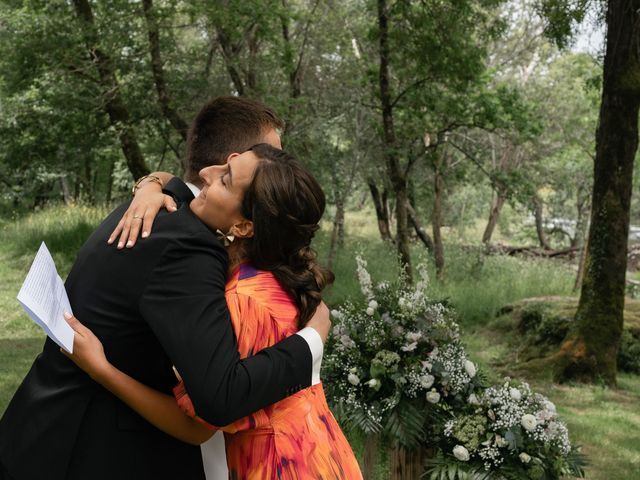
<point>45,300</point>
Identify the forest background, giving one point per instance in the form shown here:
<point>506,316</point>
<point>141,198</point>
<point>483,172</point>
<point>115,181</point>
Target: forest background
<point>461,134</point>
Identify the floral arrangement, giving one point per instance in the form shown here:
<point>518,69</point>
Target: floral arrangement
<point>396,360</point>
<point>395,366</point>
<point>511,430</point>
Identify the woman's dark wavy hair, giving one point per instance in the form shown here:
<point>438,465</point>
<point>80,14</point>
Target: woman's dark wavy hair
<point>285,203</point>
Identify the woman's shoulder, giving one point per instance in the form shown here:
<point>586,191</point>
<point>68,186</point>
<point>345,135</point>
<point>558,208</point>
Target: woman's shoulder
<point>262,288</point>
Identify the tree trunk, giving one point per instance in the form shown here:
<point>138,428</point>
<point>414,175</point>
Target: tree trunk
<point>402,231</point>
<point>230,53</point>
<point>169,112</point>
<point>253,45</point>
<point>397,177</point>
<point>420,231</point>
<point>341,228</point>
<point>381,205</point>
<point>288,60</point>
<point>89,195</point>
<point>589,352</point>
<point>496,207</point>
<point>583,208</point>
<point>580,275</point>
<point>538,212</point>
<point>66,191</point>
<point>436,222</point>
<point>113,104</point>
<point>337,233</point>
<point>110,180</point>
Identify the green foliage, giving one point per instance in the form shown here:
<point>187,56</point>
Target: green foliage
<point>478,286</point>
<point>629,351</point>
<point>470,430</point>
<point>406,424</point>
<point>446,467</point>
<point>543,327</point>
<point>544,324</point>
<point>562,17</point>
<point>360,421</point>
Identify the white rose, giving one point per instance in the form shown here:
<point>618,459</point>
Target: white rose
<point>347,341</point>
<point>524,458</point>
<point>370,311</point>
<point>515,394</point>
<point>549,407</point>
<point>501,442</point>
<point>433,396</point>
<point>373,383</point>
<point>336,314</point>
<point>427,380</point>
<point>409,348</point>
<point>529,422</point>
<point>461,453</point>
<point>373,304</point>
<point>544,415</point>
<point>353,379</point>
<point>473,399</point>
<point>470,368</point>
<point>413,336</point>
<point>552,429</point>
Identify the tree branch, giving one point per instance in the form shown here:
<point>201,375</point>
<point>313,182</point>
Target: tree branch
<point>408,89</point>
<point>475,161</point>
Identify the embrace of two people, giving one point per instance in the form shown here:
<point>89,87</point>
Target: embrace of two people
<point>213,326</point>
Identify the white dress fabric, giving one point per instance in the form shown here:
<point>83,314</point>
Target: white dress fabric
<point>214,458</point>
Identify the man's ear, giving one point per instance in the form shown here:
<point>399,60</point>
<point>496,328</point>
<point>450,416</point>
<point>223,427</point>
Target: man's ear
<point>243,229</point>
<point>230,156</point>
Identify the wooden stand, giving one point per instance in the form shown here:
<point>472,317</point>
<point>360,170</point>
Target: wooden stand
<point>406,464</point>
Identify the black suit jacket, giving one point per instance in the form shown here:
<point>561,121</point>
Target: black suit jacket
<point>153,306</point>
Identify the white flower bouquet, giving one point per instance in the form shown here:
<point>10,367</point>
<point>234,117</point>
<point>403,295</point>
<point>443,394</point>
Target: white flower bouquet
<point>514,433</point>
<point>394,361</point>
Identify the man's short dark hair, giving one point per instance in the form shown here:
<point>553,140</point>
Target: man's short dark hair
<point>226,125</point>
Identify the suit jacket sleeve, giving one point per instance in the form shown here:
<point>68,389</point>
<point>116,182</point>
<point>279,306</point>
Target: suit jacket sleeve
<point>184,305</point>
<point>178,190</point>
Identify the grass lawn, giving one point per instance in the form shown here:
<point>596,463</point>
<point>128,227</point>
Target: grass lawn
<point>605,422</point>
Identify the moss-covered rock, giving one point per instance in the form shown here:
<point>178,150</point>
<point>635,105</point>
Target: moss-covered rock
<point>540,325</point>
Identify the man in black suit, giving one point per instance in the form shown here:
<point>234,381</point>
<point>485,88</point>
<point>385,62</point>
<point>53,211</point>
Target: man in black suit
<point>153,306</point>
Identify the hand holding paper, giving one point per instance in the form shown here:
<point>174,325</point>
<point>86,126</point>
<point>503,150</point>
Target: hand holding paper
<point>45,300</point>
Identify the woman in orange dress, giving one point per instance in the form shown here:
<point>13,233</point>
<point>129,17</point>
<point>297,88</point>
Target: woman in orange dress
<point>270,207</point>
<point>298,437</point>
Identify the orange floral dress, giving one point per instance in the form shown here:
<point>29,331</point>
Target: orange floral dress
<point>298,437</point>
